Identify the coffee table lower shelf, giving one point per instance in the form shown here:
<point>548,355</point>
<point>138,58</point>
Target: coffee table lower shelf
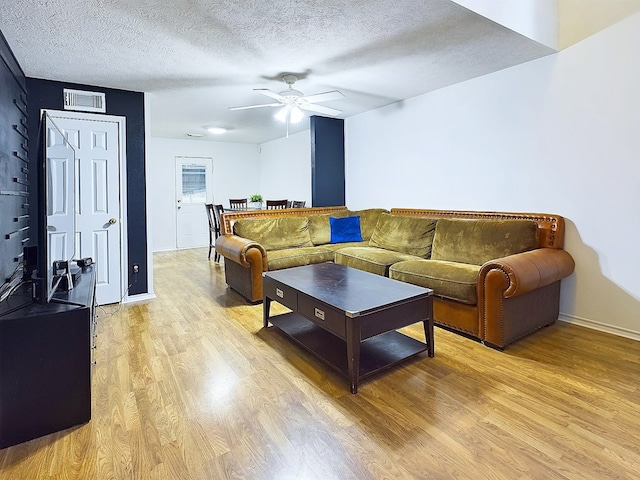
<point>376,353</point>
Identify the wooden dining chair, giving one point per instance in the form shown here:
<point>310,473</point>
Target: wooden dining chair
<point>218,210</point>
<point>298,203</point>
<point>238,203</point>
<point>214,228</point>
<point>273,204</point>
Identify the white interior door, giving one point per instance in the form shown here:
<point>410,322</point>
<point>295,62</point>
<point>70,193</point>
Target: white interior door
<point>60,200</point>
<point>96,140</point>
<point>194,188</point>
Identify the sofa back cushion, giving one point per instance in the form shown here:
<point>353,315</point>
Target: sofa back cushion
<point>410,235</point>
<point>368,220</point>
<point>320,230</point>
<point>275,233</point>
<point>478,241</point>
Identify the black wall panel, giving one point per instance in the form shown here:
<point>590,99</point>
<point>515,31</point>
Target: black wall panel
<point>14,169</point>
<point>48,94</point>
<point>327,161</point>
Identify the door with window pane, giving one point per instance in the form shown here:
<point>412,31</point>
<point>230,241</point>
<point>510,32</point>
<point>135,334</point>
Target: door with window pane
<point>193,190</point>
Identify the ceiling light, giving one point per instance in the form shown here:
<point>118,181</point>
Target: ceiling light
<point>289,113</point>
<point>282,114</point>
<point>216,130</point>
<point>296,115</point>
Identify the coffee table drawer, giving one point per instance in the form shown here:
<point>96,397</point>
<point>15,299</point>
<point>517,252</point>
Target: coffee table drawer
<point>283,294</point>
<point>323,315</point>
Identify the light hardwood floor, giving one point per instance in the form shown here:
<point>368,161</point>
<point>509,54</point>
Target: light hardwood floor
<point>190,386</point>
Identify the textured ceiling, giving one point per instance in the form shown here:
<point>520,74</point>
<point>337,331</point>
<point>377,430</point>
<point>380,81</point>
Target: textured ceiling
<point>198,57</point>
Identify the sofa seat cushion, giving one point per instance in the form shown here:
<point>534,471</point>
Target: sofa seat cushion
<point>456,281</point>
<point>412,235</point>
<point>370,259</point>
<point>275,233</point>
<point>296,257</point>
<point>478,241</point>
<point>340,246</point>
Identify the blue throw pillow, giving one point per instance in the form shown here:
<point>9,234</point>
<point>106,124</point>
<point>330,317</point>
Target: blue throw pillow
<point>345,229</point>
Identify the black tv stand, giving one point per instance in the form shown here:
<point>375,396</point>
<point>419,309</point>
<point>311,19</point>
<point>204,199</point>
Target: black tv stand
<point>46,358</point>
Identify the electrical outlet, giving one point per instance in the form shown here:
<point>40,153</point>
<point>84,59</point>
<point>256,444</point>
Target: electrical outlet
<point>136,268</point>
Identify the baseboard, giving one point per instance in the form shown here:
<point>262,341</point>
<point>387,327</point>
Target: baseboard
<point>142,297</point>
<point>161,250</point>
<point>602,327</point>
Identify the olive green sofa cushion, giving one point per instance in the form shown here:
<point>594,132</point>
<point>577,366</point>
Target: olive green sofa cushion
<point>370,259</point>
<point>340,246</point>
<point>456,281</point>
<point>275,233</point>
<point>320,229</point>
<point>476,242</point>
<point>296,257</point>
<point>410,235</point>
<point>369,220</point>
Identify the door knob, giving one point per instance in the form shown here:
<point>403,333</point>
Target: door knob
<point>112,221</point>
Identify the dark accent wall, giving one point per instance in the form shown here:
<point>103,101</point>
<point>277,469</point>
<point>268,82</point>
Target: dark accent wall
<point>327,161</point>
<point>15,177</point>
<point>48,94</point>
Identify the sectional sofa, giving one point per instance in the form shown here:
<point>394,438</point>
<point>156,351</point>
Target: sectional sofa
<point>496,275</point>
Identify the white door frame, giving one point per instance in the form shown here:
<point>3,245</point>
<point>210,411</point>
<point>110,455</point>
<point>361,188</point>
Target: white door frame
<point>122,168</point>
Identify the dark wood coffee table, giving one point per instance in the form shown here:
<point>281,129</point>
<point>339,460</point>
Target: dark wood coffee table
<point>348,317</point>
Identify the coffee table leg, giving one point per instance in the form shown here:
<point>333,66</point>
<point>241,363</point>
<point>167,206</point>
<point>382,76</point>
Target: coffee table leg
<point>266,304</point>
<point>428,330</point>
<point>353,351</point>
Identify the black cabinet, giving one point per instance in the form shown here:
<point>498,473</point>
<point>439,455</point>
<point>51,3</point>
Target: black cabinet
<point>46,361</point>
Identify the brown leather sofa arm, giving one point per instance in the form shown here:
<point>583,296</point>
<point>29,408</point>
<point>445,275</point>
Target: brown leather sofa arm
<point>243,251</point>
<point>527,271</point>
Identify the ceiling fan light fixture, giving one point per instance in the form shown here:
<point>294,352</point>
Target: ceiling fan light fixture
<point>282,114</point>
<point>292,94</point>
<point>289,114</point>
<point>292,104</point>
<point>296,115</point>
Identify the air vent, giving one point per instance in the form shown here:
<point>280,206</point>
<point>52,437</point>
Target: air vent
<point>84,101</point>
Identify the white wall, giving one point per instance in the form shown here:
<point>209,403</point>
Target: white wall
<point>560,134</point>
<point>536,19</point>
<point>579,19</point>
<point>555,23</point>
<point>285,168</point>
<point>236,174</point>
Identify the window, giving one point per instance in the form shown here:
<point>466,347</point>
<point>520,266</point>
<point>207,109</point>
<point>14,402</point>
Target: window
<point>194,186</point>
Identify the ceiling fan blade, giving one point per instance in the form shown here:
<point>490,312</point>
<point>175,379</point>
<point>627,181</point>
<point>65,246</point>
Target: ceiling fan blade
<point>324,97</point>
<point>320,109</point>
<point>269,93</point>
<point>256,106</point>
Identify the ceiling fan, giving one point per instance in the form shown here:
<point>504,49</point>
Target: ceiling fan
<point>293,101</point>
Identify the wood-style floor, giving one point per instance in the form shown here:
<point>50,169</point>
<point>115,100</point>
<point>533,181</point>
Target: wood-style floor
<point>190,386</point>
